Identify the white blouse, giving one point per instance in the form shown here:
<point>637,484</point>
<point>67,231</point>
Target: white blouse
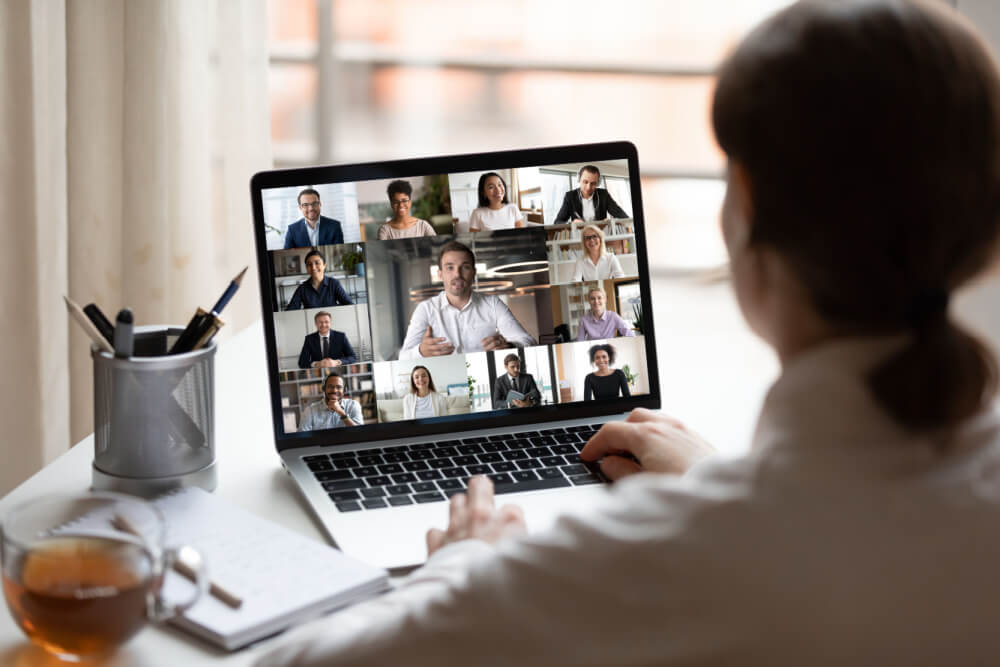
<point>486,218</point>
<point>607,267</point>
<point>841,539</point>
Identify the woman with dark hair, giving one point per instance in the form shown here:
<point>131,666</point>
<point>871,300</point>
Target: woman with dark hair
<point>403,225</point>
<point>423,399</point>
<point>606,381</point>
<point>495,211</point>
<point>863,146</point>
<point>318,290</point>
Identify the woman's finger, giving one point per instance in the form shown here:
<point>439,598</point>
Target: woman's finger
<point>457,515</point>
<point>616,467</point>
<point>435,538</point>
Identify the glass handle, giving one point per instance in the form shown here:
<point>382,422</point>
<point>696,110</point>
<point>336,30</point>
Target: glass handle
<point>188,562</point>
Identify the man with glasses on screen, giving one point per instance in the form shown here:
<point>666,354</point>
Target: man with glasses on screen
<point>460,319</point>
<point>589,202</point>
<point>312,229</point>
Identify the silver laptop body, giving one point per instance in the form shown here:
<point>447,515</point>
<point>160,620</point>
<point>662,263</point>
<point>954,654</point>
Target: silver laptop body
<point>377,488</point>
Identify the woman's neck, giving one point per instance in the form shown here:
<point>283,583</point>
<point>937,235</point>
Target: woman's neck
<point>402,222</point>
<point>496,206</point>
<point>423,391</point>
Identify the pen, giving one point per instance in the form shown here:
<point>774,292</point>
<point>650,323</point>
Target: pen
<point>120,522</point>
<point>102,323</point>
<point>124,339</point>
<point>200,323</point>
<point>88,327</point>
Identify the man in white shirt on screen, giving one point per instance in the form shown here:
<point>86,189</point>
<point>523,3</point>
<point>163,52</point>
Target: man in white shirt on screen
<point>459,320</point>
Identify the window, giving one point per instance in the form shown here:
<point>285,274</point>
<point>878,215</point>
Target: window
<point>359,80</point>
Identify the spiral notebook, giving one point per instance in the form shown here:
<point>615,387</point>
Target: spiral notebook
<point>282,577</point>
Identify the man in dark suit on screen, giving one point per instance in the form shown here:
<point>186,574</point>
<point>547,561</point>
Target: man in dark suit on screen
<point>312,229</point>
<point>326,348</point>
<point>588,202</point>
<point>515,380</point>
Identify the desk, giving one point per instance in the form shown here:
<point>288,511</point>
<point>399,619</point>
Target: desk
<point>713,374</point>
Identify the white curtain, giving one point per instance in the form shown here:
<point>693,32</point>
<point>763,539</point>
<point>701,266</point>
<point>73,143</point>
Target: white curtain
<point>130,131</point>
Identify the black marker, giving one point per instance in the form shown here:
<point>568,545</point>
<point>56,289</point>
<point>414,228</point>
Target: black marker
<point>102,323</point>
<point>123,334</point>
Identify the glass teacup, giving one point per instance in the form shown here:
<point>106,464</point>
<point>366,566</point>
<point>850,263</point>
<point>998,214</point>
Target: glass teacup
<point>82,574</point>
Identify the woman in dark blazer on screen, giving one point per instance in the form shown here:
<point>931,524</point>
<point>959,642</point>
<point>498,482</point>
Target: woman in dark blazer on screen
<point>605,382</point>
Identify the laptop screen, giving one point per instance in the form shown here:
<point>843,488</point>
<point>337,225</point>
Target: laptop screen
<point>456,293</point>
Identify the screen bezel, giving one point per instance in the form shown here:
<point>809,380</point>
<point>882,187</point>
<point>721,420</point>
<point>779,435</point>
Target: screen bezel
<point>449,164</point>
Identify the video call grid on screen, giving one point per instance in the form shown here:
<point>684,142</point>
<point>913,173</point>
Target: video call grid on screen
<point>378,243</point>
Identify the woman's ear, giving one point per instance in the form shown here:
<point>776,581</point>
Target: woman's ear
<point>737,207</point>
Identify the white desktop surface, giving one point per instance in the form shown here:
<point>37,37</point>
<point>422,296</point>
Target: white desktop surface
<point>713,375</point>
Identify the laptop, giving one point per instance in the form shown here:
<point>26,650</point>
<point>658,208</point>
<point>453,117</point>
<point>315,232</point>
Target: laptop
<point>407,353</point>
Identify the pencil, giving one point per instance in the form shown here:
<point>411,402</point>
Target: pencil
<point>121,523</point>
<point>88,327</point>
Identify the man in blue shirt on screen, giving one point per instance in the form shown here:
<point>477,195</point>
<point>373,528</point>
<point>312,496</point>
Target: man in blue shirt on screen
<point>334,411</point>
<point>312,229</point>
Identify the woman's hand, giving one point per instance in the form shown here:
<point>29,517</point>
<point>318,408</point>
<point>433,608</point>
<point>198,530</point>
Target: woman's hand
<point>660,443</point>
<point>473,515</point>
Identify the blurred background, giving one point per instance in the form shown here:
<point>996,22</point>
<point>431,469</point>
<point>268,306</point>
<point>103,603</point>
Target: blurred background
<point>360,80</point>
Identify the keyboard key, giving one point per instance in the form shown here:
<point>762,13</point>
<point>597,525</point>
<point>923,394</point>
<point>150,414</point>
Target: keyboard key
<point>374,503</point>
<point>423,446</point>
<point>317,466</point>
<point>390,468</point>
<point>479,469</point>
<point>343,455</point>
<point>522,443</point>
<point>500,478</point>
<point>553,431</point>
<point>396,501</point>
<point>535,485</point>
<point>370,460</point>
<point>333,475</point>
<point>580,480</point>
<point>494,447</point>
<point>349,506</point>
<point>423,487</point>
<point>478,440</point>
<point>575,469</point>
<point>550,461</point>
<point>500,437</point>
<point>344,485</point>
<point>529,464</point>
<point>454,472</point>
<point>365,471</point>
<point>491,457</point>
<point>377,492</point>
<point>528,434</point>
<point>421,455</point>
<point>403,478</point>
<point>563,449</point>
<point>315,457</point>
<point>579,446</point>
<point>524,476</point>
<point>344,464</point>
<point>572,459</point>
<point>449,485</point>
<point>413,466</point>
<point>470,449</point>
<point>443,452</point>
<point>344,495</point>
<point>567,438</point>
<point>440,463</point>
<point>543,440</point>
<point>381,480</point>
<point>434,497</point>
<point>548,473</point>
<point>576,429</point>
<point>515,454</point>
<point>464,460</point>
<point>428,474</point>
<point>537,452</point>
<point>450,443</point>
<point>395,457</point>
<point>394,450</point>
<point>504,466</point>
<point>398,489</point>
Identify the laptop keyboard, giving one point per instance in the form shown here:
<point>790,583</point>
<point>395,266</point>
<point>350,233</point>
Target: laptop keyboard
<point>431,472</point>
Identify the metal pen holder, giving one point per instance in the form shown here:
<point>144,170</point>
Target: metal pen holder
<point>154,416</point>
